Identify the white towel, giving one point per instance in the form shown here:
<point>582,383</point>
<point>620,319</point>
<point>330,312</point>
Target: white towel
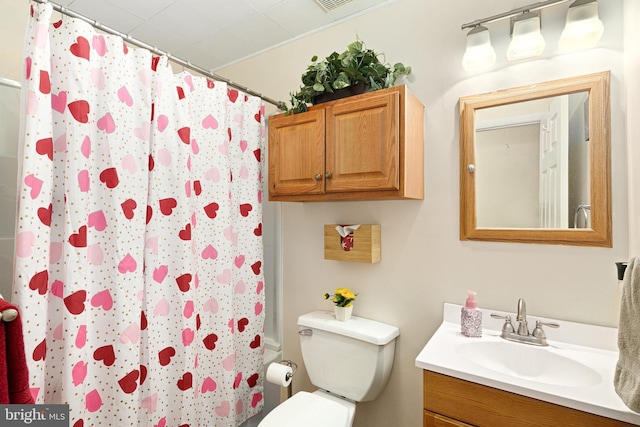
<point>627,376</point>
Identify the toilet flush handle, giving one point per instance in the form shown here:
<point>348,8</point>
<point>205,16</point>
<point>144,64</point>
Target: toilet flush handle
<point>305,332</point>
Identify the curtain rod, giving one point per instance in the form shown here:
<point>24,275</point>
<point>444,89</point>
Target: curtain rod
<point>10,83</point>
<point>514,12</point>
<point>153,49</point>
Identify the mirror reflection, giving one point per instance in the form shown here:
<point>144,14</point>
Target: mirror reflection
<point>535,163</point>
<point>532,164</point>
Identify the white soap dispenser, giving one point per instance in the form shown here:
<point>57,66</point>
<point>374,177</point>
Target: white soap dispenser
<point>471,317</point>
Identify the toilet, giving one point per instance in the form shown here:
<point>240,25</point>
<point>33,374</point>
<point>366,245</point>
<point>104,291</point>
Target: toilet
<point>348,361</point>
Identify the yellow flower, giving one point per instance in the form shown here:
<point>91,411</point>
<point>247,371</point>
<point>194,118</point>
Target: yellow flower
<point>347,294</point>
<point>342,297</point>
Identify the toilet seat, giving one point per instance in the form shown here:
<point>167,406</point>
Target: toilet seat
<point>310,410</point>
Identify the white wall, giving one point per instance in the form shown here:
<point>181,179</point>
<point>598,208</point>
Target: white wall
<point>632,90</point>
<point>423,261</point>
<point>9,129</point>
<point>13,19</point>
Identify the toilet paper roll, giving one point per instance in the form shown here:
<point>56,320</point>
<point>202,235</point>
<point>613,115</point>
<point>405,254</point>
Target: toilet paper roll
<point>280,374</point>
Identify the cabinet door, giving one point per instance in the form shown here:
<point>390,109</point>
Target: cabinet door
<point>437,420</point>
<point>362,144</point>
<point>296,153</point>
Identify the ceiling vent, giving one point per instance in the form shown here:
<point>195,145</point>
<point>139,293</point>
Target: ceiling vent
<point>329,5</point>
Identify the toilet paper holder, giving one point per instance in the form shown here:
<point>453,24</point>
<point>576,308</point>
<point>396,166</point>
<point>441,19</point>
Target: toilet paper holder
<point>293,365</point>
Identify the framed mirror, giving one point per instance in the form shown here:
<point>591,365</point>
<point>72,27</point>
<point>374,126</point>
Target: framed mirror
<point>535,163</point>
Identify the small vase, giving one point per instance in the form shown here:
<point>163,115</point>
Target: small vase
<point>342,313</point>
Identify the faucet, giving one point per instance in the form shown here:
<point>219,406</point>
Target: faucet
<point>521,318</point>
<point>522,335</point>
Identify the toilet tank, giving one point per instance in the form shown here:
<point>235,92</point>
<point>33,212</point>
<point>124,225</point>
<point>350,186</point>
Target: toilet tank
<point>352,359</point>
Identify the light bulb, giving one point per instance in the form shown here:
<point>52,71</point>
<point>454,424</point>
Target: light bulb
<point>527,40</point>
<point>583,28</point>
<point>479,54</point>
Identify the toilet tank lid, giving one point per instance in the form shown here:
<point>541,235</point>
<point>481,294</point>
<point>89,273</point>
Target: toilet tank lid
<point>357,327</point>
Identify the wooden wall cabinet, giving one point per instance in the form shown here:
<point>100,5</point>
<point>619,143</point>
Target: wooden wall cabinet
<point>452,402</point>
<point>369,146</point>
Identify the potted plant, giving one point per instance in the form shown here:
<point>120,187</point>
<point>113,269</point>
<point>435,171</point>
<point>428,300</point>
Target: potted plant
<point>342,299</point>
<point>356,70</point>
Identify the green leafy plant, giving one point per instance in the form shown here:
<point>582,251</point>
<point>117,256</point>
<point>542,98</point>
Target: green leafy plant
<point>356,65</point>
<point>342,297</point>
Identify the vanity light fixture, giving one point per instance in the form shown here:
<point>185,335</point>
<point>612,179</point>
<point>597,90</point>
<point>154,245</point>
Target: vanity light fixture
<point>526,40</point>
<point>583,29</point>
<point>480,54</point>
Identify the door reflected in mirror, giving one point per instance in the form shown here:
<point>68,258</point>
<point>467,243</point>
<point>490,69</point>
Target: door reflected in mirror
<point>535,163</point>
<point>532,163</point>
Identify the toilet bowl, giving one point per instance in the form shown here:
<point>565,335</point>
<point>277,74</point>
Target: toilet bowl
<point>348,361</point>
<point>317,409</point>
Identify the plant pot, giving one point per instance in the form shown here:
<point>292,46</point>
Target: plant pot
<point>355,89</point>
<point>342,314</point>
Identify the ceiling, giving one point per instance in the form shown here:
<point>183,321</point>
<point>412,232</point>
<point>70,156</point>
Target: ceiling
<point>215,33</point>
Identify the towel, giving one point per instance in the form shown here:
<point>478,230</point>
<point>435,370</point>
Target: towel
<point>627,376</point>
<point>14,375</point>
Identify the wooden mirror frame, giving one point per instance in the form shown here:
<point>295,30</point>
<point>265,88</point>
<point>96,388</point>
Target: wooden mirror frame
<point>597,86</point>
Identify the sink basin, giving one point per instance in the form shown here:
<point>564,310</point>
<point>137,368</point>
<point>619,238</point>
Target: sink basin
<point>539,364</point>
<point>575,370</point>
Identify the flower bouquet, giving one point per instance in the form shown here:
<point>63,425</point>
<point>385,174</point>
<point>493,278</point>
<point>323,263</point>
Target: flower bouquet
<point>342,299</point>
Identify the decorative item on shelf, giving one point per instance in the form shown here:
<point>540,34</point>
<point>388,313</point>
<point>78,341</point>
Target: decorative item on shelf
<point>346,236</point>
<point>343,314</point>
<point>342,299</point>
<point>354,71</point>
<point>355,243</point>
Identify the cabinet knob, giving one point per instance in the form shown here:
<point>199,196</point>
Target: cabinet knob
<point>328,175</point>
<point>317,177</point>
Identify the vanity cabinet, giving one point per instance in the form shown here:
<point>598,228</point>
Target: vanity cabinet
<point>369,146</point>
<point>452,402</point>
<point>437,420</point>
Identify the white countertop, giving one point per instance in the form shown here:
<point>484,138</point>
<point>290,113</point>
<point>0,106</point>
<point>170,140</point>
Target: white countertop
<point>593,346</point>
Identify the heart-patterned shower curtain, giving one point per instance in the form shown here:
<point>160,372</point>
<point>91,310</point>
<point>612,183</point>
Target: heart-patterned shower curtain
<point>139,242</point>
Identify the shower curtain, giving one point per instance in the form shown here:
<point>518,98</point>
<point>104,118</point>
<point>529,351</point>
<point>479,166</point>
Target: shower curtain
<point>139,242</point>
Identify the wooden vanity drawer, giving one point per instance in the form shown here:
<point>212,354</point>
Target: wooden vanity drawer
<point>483,406</point>
<point>437,420</point>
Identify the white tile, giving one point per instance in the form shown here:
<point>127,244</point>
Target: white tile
<point>221,13</point>
<point>217,50</point>
<point>356,6</point>
<point>260,32</point>
<point>287,15</point>
<point>174,28</point>
<point>214,32</point>
<point>107,14</point>
<point>262,5</point>
<point>144,9</point>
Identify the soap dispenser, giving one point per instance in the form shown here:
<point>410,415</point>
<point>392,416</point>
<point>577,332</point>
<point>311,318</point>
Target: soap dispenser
<point>471,317</point>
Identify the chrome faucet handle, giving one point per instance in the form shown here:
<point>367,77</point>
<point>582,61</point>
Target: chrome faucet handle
<point>507,328</point>
<point>538,332</point>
